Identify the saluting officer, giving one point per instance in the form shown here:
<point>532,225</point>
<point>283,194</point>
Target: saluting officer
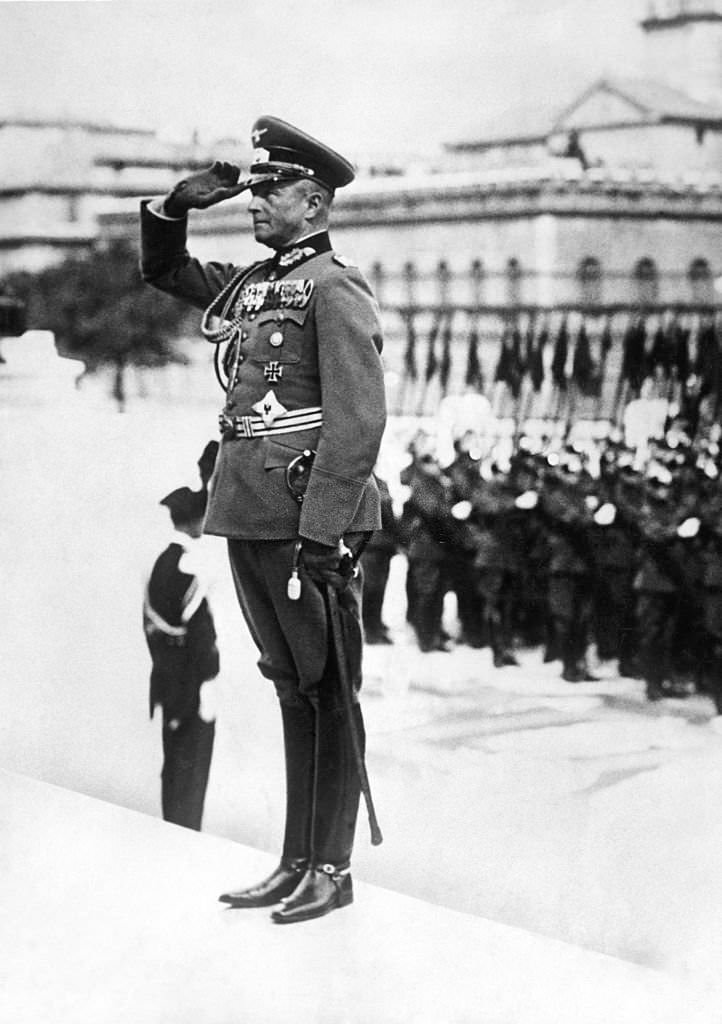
<point>301,338</point>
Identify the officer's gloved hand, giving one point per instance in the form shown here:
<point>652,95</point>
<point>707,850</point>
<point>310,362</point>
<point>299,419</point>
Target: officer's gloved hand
<point>326,564</point>
<point>207,187</point>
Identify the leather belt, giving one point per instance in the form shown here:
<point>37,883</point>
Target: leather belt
<point>235,427</point>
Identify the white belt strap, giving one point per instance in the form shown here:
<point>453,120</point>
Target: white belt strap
<point>288,423</point>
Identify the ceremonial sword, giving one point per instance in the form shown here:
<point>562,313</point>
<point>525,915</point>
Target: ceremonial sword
<point>297,474</point>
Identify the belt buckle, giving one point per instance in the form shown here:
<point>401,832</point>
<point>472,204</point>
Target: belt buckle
<point>226,425</point>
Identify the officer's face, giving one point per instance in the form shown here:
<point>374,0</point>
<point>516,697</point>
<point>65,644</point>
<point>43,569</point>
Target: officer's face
<point>279,211</point>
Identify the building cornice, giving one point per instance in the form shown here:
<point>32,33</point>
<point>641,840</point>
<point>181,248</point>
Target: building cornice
<point>478,203</point>
<point>92,127</point>
<point>656,23</point>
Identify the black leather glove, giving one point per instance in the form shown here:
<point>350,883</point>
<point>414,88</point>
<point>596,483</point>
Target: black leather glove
<point>213,185</point>
<point>326,564</point>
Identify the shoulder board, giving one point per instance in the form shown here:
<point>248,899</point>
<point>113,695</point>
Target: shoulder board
<point>342,261</point>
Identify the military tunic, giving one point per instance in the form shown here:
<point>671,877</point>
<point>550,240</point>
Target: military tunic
<point>307,338</point>
<point>311,335</point>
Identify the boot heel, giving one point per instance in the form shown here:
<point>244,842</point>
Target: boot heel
<point>344,891</point>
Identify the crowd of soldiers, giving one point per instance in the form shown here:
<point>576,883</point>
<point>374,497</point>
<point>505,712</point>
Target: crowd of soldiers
<point>566,548</point>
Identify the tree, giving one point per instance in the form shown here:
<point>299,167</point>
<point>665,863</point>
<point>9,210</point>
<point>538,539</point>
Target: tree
<point>101,311</point>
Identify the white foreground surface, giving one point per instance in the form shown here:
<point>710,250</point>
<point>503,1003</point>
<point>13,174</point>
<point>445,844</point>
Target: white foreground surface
<point>580,813</point>
<point>111,916</point>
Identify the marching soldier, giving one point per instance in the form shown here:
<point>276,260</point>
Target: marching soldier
<point>181,638</point>
<point>299,343</point>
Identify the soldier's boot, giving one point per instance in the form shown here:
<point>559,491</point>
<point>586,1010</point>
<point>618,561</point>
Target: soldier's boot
<point>552,646</point>
<point>654,689</point>
<point>570,668</point>
<point>584,673</point>
<point>298,742</point>
<point>327,884</point>
<point>499,647</point>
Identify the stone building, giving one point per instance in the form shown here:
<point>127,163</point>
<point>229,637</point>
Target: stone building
<point>613,206</point>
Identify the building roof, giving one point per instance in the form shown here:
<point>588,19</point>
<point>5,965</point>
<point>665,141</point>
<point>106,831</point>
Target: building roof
<point>519,126</point>
<point>681,12</point>
<point>624,101</point>
<point>70,123</point>
<point>646,99</point>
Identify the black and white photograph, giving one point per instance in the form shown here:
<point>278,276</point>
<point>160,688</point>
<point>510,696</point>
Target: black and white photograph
<point>361,512</point>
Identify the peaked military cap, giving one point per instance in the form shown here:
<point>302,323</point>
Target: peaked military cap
<point>284,152</point>
<point>184,504</point>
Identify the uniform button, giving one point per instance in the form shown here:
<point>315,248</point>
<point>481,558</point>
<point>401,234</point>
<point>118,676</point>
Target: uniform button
<point>244,335</point>
<point>276,339</point>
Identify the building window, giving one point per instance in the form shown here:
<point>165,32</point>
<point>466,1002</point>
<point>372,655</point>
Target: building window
<point>476,277</point>
<point>443,279</point>
<point>589,275</point>
<point>647,281</point>
<point>700,281</point>
<point>513,282</point>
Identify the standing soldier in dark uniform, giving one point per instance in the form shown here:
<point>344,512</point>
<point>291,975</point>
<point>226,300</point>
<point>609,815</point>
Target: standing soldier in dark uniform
<point>376,562</point>
<point>431,535</point>
<point>302,359</point>
<point>570,568</point>
<point>613,543</point>
<point>181,638</point>
<point>657,582</point>
<point>711,533</point>
<point>495,560</point>
<point>463,475</point>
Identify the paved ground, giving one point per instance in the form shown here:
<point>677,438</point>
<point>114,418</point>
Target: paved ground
<point>117,920</point>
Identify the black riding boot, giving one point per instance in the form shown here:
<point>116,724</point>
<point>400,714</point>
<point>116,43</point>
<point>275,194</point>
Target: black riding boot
<point>298,742</point>
<point>327,884</point>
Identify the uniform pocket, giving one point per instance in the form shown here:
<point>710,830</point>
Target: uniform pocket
<point>280,454</point>
<point>278,336</point>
